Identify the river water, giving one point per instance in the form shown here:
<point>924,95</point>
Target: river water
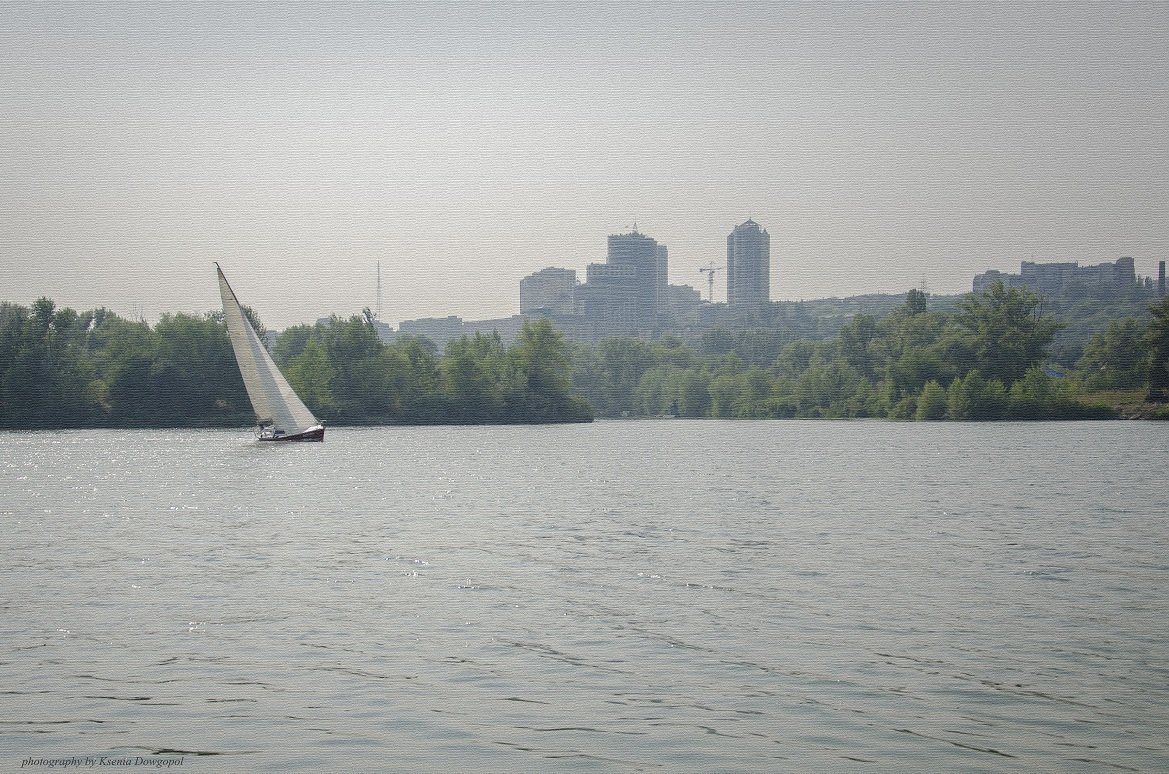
<point>622,596</point>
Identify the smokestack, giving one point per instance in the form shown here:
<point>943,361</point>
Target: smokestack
<point>1161,279</point>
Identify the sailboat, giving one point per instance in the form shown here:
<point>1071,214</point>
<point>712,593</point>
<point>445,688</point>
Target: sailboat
<point>281,414</point>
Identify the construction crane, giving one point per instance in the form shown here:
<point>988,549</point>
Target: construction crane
<point>709,272</point>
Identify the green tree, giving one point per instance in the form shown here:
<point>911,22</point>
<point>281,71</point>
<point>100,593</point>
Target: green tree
<point>623,361</point>
<point>1007,333</point>
<point>724,392</point>
<point>25,400</point>
<point>975,397</point>
<point>691,388</point>
<point>360,387</point>
<point>311,375</point>
<point>291,342</point>
<point>193,377</point>
<point>825,389</point>
<point>795,358</point>
<point>1157,340</point>
<point>541,366</point>
<point>932,404</point>
<point>414,380</point>
<point>656,392</point>
<point>123,351</point>
<point>1118,358</point>
<point>47,376</point>
<point>1035,396</point>
<point>476,375</point>
<point>915,302</point>
<point>753,393</point>
<point>864,401</point>
<point>856,344</point>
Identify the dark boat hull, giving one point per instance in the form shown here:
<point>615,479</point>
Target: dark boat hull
<point>312,434</point>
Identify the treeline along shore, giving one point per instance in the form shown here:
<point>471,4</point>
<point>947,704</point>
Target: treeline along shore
<point>989,359</point>
<point>59,368</point>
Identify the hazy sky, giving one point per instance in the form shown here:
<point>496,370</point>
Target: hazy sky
<point>468,145</point>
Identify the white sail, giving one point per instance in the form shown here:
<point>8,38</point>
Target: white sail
<point>272,397</point>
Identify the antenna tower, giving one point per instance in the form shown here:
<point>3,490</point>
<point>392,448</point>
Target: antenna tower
<point>709,272</point>
<point>378,314</point>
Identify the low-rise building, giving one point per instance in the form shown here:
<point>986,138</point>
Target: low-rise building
<point>440,330</point>
<point>1058,279</point>
<point>682,303</point>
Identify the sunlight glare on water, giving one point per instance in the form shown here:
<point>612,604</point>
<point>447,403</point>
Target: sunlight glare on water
<point>659,595</point>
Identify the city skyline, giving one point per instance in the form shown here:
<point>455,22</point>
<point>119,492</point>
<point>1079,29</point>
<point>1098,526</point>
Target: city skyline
<point>467,147</point>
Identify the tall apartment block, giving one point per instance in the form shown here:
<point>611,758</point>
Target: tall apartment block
<point>627,294</point>
<point>649,263</point>
<point>748,265</point>
<point>631,286</point>
<point>551,291</point>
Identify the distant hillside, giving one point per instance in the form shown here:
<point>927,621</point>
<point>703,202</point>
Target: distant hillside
<point>1087,316</point>
<point>788,321</point>
<point>824,318</point>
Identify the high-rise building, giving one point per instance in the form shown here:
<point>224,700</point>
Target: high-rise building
<point>661,277</point>
<point>647,264</point>
<point>748,265</point>
<point>550,290</point>
<point>627,294</point>
<point>610,295</point>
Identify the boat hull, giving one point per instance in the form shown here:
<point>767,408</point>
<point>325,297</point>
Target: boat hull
<point>312,434</point>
